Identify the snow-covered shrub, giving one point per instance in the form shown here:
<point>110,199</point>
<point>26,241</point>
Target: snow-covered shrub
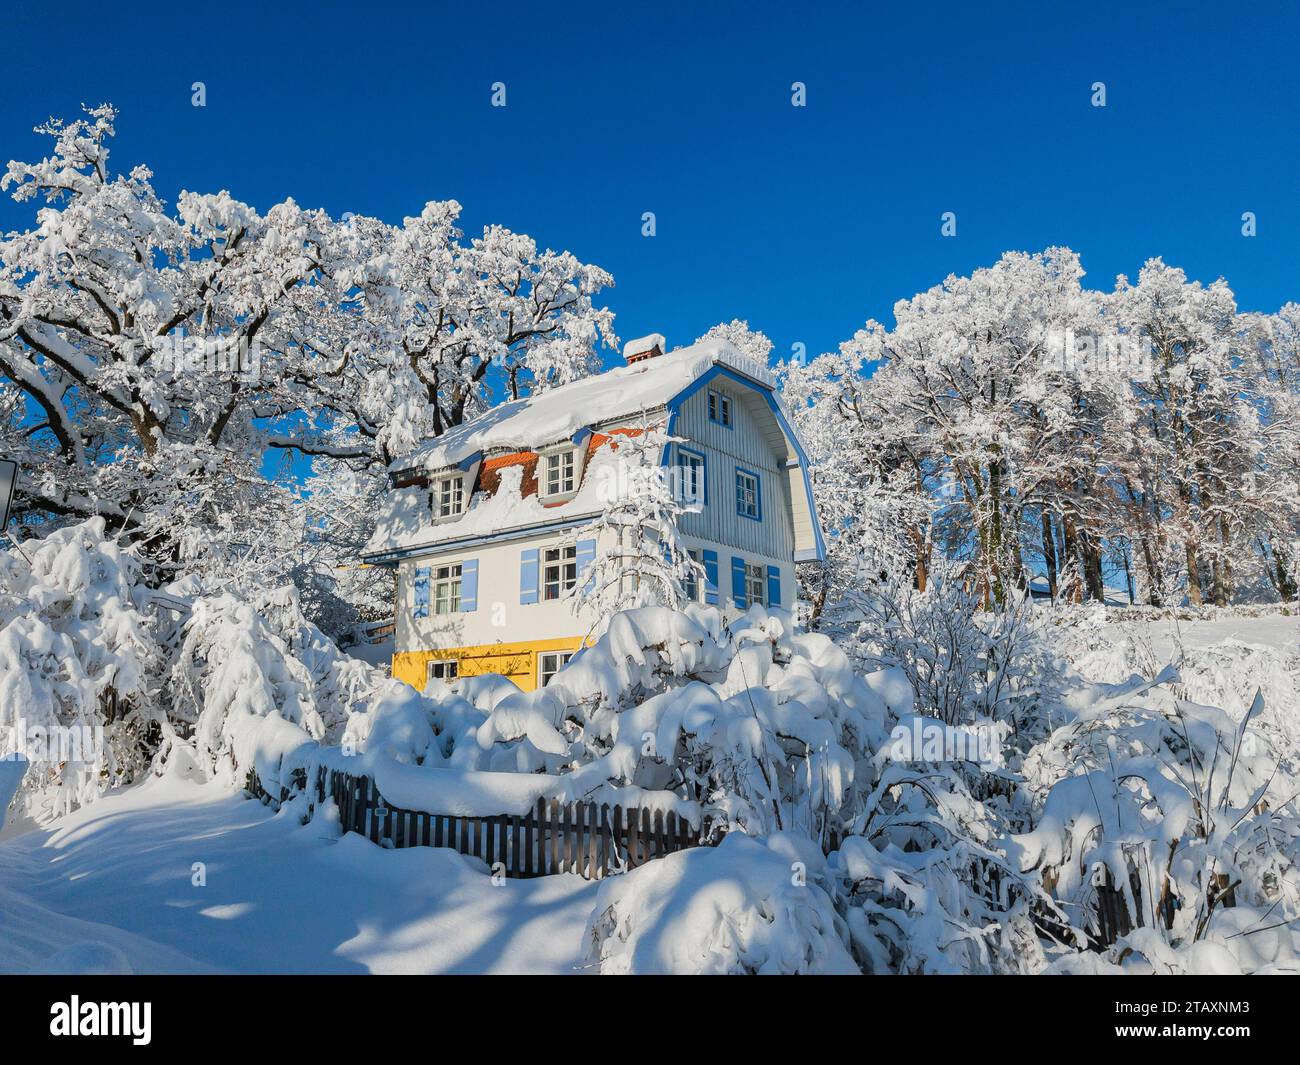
<point>963,661</point>
<point>78,668</point>
<point>1177,808</point>
<point>747,906</point>
<point>249,666</point>
<point>757,726</point>
<point>924,882</point>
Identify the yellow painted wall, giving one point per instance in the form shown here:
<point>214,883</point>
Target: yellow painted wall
<point>518,661</point>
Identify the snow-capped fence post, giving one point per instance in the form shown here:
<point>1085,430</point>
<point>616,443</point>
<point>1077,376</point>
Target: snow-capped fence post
<point>633,840</point>
<point>374,812</point>
<point>556,853</point>
<point>530,838</point>
<point>604,840</point>
<point>617,831</point>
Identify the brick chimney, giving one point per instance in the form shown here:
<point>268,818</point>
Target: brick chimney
<point>644,348</point>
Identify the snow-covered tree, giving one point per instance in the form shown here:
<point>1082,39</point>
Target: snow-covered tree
<point>747,341</point>
<point>151,357</point>
<point>1028,428</point>
<point>80,669</point>
<point>641,558</point>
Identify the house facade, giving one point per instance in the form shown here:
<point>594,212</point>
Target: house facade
<point>484,525</point>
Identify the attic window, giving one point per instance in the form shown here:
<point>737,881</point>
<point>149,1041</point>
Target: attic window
<point>449,497</point>
<point>720,408</point>
<point>561,473</point>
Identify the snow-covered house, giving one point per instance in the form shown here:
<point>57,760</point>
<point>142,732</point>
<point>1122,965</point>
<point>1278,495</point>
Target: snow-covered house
<point>484,523</point>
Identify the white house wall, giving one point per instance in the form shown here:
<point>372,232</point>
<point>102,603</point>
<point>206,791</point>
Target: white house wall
<point>499,617</point>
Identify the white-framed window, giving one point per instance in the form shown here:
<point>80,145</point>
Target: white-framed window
<point>747,504</point>
<point>444,669</point>
<point>448,496</point>
<point>755,584</point>
<point>559,472</point>
<point>693,587</point>
<point>550,663</point>
<point>719,407</point>
<point>691,471</point>
<point>559,570</point>
<point>446,588</point>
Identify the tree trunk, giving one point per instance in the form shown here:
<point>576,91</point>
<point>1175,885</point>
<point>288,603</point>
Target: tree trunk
<point>1222,590</point>
<point>1154,595</point>
<point>1194,593</point>
<point>1286,584</point>
<point>1071,554</point>
<point>1096,586</point>
<point>995,559</point>
<point>921,573</point>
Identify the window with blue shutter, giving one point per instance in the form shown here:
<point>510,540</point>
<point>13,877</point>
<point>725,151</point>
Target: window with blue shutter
<point>711,577</point>
<point>738,583</point>
<point>586,555</point>
<point>469,585</point>
<point>528,576</point>
<point>420,609</point>
<point>773,586</point>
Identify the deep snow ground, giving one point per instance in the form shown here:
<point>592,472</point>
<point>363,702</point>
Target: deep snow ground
<point>110,887</point>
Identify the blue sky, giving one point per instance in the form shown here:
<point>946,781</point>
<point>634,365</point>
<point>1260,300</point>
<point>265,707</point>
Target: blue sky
<point>807,221</point>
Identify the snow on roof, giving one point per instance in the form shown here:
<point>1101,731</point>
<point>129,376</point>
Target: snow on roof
<point>641,345</point>
<point>558,414</point>
<point>403,520</point>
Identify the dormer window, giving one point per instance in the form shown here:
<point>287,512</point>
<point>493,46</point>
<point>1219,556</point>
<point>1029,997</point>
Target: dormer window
<point>719,407</point>
<point>448,497</point>
<point>560,476</point>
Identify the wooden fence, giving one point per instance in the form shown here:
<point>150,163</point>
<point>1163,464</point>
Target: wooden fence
<point>575,837</point>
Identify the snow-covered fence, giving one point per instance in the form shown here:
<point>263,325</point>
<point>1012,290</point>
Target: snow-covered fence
<point>574,837</point>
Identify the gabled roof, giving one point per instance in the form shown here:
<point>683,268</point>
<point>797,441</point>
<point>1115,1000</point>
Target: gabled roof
<point>562,413</point>
<point>499,451</point>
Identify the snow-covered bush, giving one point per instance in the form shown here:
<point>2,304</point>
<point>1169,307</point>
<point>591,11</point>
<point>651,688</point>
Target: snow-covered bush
<point>251,665</point>
<point>1171,807</point>
<point>963,662</point>
<point>757,726</point>
<point>79,668</point>
<point>748,906</point>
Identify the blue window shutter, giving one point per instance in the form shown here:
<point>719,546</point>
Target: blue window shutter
<point>528,576</point>
<point>773,586</point>
<point>584,556</point>
<point>738,583</point>
<point>710,577</point>
<point>469,585</point>
<point>420,608</point>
